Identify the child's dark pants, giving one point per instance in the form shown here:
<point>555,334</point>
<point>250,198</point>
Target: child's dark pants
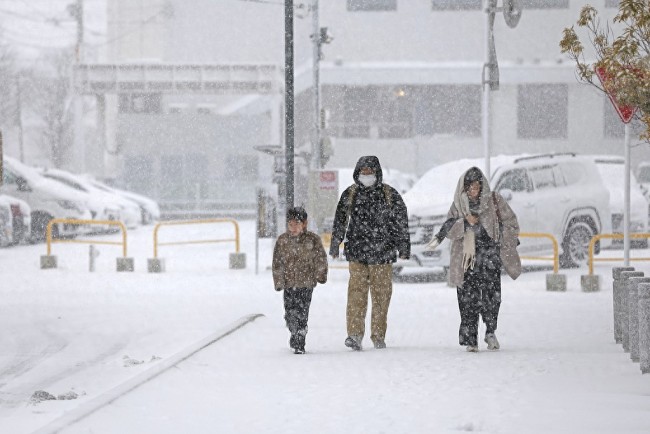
<point>296,314</point>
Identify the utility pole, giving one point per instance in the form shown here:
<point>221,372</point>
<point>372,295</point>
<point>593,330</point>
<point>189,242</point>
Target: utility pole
<point>316,38</point>
<point>76,10</point>
<point>511,13</point>
<point>289,100</point>
<point>19,119</point>
<point>319,37</point>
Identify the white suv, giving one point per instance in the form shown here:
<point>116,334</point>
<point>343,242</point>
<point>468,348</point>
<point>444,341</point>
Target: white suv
<point>559,194</point>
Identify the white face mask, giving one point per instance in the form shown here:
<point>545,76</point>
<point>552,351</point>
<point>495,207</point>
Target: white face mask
<point>368,180</point>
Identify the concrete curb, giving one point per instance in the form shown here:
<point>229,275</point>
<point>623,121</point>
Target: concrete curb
<point>88,408</point>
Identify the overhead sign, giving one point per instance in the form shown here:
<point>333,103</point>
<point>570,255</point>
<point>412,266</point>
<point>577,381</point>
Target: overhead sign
<point>625,112</point>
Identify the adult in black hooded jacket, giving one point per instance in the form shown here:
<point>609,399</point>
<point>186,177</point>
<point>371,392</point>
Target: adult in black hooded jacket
<point>372,219</point>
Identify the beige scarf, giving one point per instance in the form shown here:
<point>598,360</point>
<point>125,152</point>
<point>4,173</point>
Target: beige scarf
<point>469,239</point>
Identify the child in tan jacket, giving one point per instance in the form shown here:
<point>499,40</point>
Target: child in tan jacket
<point>299,262</point>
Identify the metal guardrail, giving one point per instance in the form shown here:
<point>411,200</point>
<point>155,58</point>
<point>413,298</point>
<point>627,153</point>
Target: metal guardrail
<point>48,233</point>
<point>556,253</point>
<point>597,237</point>
<point>193,222</point>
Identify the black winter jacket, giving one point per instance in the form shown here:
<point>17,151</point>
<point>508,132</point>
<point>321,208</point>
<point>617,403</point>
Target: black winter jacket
<point>377,230</point>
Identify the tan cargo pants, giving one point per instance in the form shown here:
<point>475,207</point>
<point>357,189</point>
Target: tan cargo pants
<point>378,280</point>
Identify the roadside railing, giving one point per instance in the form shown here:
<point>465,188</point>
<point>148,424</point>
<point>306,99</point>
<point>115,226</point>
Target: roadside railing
<point>50,261</point>
<point>157,265</point>
<point>156,243</point>
<point>50,240</point>
<point>597,237</point>
<point>556,255</point>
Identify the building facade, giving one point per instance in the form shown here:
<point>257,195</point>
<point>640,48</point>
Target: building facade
<point>401,80</point>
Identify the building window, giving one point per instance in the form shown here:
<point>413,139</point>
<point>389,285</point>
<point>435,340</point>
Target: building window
<point>613,126</point>
<point>148,103</point>
<point>455,5</point>
<point>357,111</point>
<point>398,112</point>
<point>611,3</point>
<point>447,109</point>
<point>138,174</point>
<point>184,178</point>
<point>542,111</point>
<point>544,4</point>
<point>372,5</point>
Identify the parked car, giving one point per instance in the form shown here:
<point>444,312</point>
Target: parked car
<point>612,171</point>
<point>149,209</point>
<point>559,194</point>
<point>643,175</point>
<point>104,205</point>
<point>46,198</point>
<point>6,223</point>
<point>21,219</point>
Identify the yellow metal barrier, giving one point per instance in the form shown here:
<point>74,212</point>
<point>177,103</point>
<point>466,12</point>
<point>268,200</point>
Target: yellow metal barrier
<point>597,237</point>
<point>48,233</point>
<point>327,238</point>
<point>193,222</point>
<point>556,253</point>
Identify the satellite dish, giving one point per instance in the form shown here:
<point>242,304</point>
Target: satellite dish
<point>512,12</point>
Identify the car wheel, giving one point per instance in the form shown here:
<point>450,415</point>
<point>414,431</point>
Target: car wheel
<point>39,226</point>
<point>575,245</point>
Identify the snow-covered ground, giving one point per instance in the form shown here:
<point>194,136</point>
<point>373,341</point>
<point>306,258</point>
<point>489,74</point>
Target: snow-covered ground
<point>69,330</point>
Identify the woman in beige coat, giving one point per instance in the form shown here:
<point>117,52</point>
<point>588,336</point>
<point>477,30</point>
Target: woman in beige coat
<point>483,231</point>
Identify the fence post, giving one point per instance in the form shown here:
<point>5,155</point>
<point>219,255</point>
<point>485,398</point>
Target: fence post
<point>625,317</point>
<point>633,312</point>
<point>617,287</point>
<point>644,327</point>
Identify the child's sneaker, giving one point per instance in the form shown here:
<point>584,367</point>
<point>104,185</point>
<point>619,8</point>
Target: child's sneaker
<point>492,342</point>
<point>472,348</point>
<point>353,342</point>
<point>299,350</point>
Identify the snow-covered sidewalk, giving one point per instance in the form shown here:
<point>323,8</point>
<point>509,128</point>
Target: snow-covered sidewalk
<point>65,330</point>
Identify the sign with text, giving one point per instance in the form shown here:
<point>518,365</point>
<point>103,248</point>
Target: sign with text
<point>328,180</point>
<point>625,112</point>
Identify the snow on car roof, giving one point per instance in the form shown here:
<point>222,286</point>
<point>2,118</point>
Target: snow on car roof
<point>437,186</point>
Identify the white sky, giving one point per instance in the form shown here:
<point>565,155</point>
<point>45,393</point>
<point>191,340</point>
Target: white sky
<point>64,330</point>
<point>31,27</point>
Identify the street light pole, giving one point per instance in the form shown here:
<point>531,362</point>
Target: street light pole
<point>289,100</point>
<point>316,37</point>
<point>511,13</point>
<point>490,80</point>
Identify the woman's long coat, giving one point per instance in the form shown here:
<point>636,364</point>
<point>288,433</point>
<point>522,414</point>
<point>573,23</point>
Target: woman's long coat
<point>508,238</point>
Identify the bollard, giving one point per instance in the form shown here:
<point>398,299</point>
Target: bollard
<point>617,286</point>
<point>92,254</point>
<point>590,283</point>
<point>156,265</point>
<point>625,319</point>
<point>237,261</point>
<point>633,314</point>
<point>644,327</point>
<point>556,282</point>
<point>48,261</point>
<point>125,264</point>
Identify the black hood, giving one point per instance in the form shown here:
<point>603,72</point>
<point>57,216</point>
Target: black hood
<point>368,161</point>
